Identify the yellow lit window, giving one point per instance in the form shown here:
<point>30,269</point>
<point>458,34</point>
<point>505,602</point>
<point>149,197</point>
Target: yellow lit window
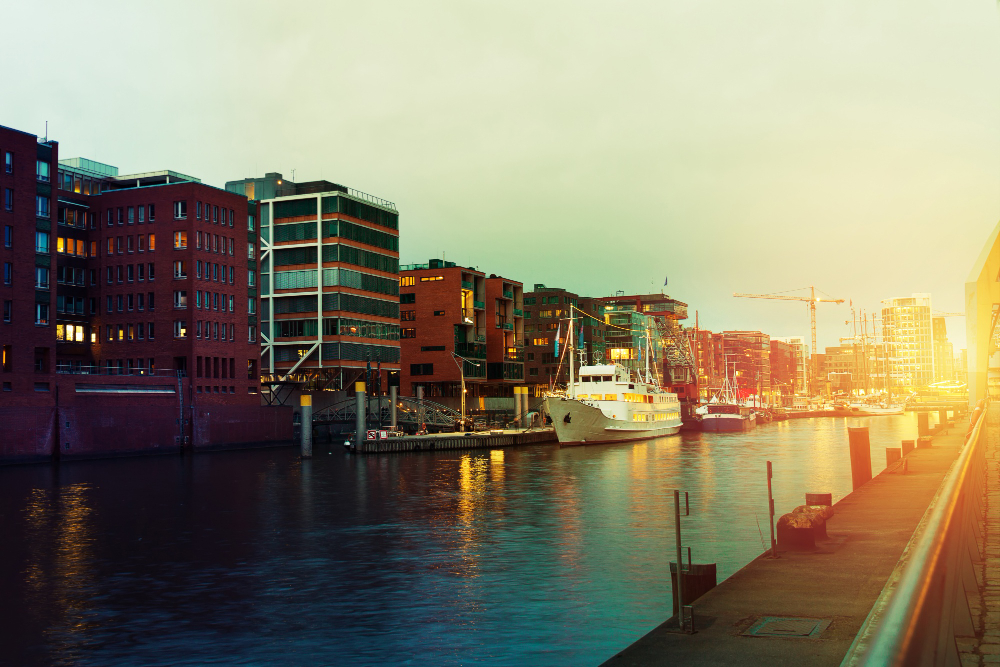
<point>407,281</point>
<point>611,397</point>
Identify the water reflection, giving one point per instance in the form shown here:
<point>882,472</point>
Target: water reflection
<point>530,556</point>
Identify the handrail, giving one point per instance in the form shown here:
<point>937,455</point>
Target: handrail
<point>918,624</point>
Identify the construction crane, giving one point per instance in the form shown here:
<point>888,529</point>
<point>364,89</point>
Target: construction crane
<point>812,300</point>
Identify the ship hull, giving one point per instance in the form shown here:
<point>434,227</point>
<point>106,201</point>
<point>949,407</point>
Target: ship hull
<point>587,425</point>
<point>726,423</point>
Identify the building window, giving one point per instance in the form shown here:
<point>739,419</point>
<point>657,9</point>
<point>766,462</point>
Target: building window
<point>251,278</point>
<point>251,306</point>
<point>8,162</point>
<point>42,171</point>
<point>407,333</point>
<point>251,334</point>
<point>42,206</point>
<point>8,236</point>
<point>180,240</point>
<point>215,214</point>
<point>180,329</point>
<point>131,215</point>
<point>407,281</point>
<point>152,217</point>
<point>42,314</point>
<point>407,315</point>
<point>41,277</point>
<point>180,299</point>
<point>430,279</point>
<point>180,210</point>
<point>438,313</point>
<point>180,269</point>
<point>150,265</point>
<point>128,244</point>
<point>41,242</point>
<point>141,244</point>
<point>142,214</point>
<point>121,216</point>
<point>8,273</point>
<point>8,199</point>
<point>152,242</point>
<point>421,369</point>
<point>8,307</point>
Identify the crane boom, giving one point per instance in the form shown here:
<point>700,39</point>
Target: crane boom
<point>812,300</point>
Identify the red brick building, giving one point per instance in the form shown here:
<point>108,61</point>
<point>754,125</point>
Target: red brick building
<point>451,315</point>
<point>147,277</point>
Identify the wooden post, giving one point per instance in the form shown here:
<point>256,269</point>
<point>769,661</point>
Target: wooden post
<point>770,512</point>
<point>892,454</point>
<point>861,456</point>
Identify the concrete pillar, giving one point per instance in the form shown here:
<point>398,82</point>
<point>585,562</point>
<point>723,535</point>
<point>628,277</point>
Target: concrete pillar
<point>923,423</point>
<point>892,454</point>
<point>907,447</point>
<point>517,407</point>
<point>420,407</point>
<point>524,407</point>
<point>359,425</point>
<point>392,408</point>
<point>861,456</point>
<point>942,419</point>
<point>306,440</point>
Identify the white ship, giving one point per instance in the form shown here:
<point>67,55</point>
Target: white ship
<point>609,403</point>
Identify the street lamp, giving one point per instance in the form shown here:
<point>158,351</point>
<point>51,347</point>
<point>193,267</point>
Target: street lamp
<point>461,370</point>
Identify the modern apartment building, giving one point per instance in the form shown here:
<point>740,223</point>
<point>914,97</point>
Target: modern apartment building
<point>546,313</point>
<point>456,323</point>
<point>329,282</point>
<point>749,353</point>
<point>907,331</point>
<point>140,276</point>
<point>801,349</point>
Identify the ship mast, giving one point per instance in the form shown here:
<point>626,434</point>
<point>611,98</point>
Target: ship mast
<point>572,357</point>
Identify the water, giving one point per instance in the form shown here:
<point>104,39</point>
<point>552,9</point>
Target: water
<point>528,556</point>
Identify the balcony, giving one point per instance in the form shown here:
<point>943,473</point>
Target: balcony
<point>514,354</point>
<point>467,285</point>
<point>508,295</point>
<point>479,305</point>
<point>474,370</point>
<point>508,326</point>
<point>471,350</point>
<point>518,312</point>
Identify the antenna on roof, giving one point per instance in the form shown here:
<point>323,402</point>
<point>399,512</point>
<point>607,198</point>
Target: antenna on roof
<point>46,131</point>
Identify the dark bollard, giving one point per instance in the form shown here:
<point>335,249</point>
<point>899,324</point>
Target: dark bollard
<point>907,446</point>
<point>698,580</point>
<point>892,454</point>
<point>942,419</point>
<point>923,423</point>
<point>861,456</point>
<point>924,442</point>
<point>819,499</point>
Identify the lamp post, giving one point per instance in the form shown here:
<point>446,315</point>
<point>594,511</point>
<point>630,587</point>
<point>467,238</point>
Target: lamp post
<point>461,371</point>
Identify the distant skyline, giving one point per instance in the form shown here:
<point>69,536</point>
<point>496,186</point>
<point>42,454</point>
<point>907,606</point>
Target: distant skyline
<point>734,147</point>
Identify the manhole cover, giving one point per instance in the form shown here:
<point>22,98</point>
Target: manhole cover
<point>776,626</point>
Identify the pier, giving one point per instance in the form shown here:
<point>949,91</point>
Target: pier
<point>451,441</point>
<point>851,600</point>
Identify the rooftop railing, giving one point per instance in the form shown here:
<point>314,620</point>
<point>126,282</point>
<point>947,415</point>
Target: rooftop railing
<point>372,199</point>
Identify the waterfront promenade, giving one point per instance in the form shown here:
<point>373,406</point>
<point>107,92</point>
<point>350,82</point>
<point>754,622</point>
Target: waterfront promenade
<point>837,585</point>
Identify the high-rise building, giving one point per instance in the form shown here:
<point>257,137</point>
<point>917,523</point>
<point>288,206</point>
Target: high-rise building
<point>908,334</point>
<point>458,323</point>
<point>944,351</point>
<point>329,282</point>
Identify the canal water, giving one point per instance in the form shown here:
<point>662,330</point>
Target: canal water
<point>537,555</point>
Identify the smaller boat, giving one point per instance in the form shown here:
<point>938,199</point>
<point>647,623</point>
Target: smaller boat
<point>725,413</point>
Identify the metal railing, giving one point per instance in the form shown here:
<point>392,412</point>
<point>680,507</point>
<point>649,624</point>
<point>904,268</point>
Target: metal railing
<point>929,607</point>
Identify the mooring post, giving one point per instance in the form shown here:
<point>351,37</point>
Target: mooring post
<point>420,407</point>
<point>770,512</point>
<point>861,455</point>
<point>923,424</point>
<point>359,422</point>
<point>680,561</point>
<point>306,434</point>
<point>393,390</point>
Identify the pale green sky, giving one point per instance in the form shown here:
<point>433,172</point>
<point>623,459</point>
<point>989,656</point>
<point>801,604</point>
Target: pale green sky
<point>733,146</point>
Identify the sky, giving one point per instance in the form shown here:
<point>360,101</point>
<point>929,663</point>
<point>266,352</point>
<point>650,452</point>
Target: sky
<point>721,145</point>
